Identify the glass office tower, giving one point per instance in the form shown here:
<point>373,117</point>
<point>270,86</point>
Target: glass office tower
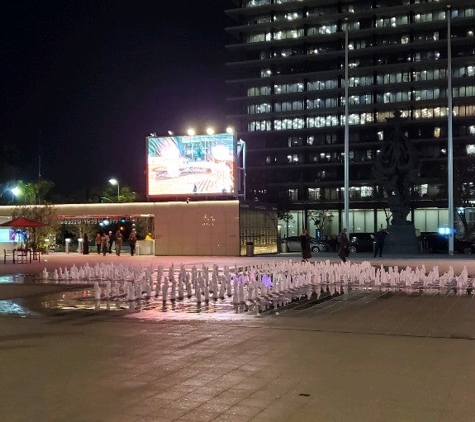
<point>287,98</point>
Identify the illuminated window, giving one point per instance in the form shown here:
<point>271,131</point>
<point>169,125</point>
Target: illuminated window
<point>266,73</point>
<point>423,189</point>
<point>366,191</point>
<point>293,194</point>
<point>314,194</point>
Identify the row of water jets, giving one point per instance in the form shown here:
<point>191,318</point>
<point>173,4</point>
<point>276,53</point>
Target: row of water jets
<point>268,281</point>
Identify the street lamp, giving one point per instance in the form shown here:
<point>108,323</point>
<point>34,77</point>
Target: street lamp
<point>115,182</point>
<point>242,145</point>
<point>15,192</point>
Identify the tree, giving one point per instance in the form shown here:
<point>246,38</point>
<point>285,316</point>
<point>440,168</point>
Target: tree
<point>321,219</point>
<point>109,194</point>
<point>33,192</point>
<point>144,226</point>
<point>285,216</point>
<point>41,235</point>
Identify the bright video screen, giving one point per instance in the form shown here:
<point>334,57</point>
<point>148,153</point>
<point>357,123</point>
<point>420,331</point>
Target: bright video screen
<point>9,236</point>
<point>187,165</point>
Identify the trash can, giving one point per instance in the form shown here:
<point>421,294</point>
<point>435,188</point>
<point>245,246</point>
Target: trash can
<point>283,247</point>
<point>249,248</point>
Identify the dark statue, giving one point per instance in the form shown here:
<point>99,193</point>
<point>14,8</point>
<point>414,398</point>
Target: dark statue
<point>397,169</point>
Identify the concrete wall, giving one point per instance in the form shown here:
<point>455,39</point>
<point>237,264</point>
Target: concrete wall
<point>181,228</point>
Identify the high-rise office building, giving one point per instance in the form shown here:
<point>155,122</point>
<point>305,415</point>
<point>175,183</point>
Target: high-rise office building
<point>291,60</point>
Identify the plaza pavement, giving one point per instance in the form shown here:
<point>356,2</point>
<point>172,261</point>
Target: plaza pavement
<point>375,356</point>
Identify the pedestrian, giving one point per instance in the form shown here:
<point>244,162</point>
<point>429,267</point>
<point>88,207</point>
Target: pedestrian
<point>118,242</point>
<point>98,243</point>
<point>111,241</point>
<point>85,245</point>
<point>379,239</point>
<point>105,244</point>
<point>343,245</point>
<point>132,243</point>
<point>305,244</point>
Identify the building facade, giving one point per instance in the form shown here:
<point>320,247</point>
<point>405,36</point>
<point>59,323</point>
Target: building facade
<point>289,62</point>
<point>202,228</point>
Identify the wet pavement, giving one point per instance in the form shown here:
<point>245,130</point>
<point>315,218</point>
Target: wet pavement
<point>371,355</point>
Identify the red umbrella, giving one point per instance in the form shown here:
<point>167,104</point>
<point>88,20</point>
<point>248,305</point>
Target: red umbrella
<point>23,222</point>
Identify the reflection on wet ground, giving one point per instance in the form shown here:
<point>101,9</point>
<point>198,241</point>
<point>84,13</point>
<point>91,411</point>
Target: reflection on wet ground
<point>17,278</point>
<point>80,299</point>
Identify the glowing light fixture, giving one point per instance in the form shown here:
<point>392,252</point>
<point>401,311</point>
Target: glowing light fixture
<point>115,182</point>
<point>191,131</point>
<point>16,191</point>
<point>210,131</point>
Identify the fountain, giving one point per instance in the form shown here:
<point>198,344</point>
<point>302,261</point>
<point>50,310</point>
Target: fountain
<point>254,287</point>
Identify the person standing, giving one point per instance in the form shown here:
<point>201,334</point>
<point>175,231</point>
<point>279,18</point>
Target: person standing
<point>118,242</point>
<point>111,241</point>
<point>379,239</point>
<point>85,245</point>
<point>105,244</point>
<point>343,245</point>
<point>305,244</point>
<point>98,243</point>
<point>132,243</point>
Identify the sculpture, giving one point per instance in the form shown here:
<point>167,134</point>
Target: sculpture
<point>397,167</point>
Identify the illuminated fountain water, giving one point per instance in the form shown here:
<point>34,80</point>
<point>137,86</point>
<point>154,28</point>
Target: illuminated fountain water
<point>268,284</point>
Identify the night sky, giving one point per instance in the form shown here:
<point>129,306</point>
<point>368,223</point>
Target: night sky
<point>86,81</point>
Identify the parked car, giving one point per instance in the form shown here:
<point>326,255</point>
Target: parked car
<point>361,242</point>
<point>440,243</point>
<point>293,244</point>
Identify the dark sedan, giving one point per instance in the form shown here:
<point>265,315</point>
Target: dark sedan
<point>293,244</point>
<point>361,242</point>
<point>440,243</point>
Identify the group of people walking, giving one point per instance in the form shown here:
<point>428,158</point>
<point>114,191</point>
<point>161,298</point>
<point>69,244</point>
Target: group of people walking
<point>105,242</point>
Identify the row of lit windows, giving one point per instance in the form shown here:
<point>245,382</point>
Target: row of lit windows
<point>352,45</point>
<point>354,81</point>
<point>329,193</point>
<point>332,27</point>
<point>355,192</point>
<point>358,156</point>
<point>333,138</point>
<point>412,57</point>
<point>317,194</point>
<point>351,8</point>
<point>355,118</point>
<point>365,99</point>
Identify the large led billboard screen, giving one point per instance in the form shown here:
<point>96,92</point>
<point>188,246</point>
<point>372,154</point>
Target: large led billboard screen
<point>191,165</point>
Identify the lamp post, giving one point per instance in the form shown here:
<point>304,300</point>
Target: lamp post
<point>450,150</point>
<point>15,192</point>
<point>242,144</point>
<point>346,166</point>
<point>115,182</point>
